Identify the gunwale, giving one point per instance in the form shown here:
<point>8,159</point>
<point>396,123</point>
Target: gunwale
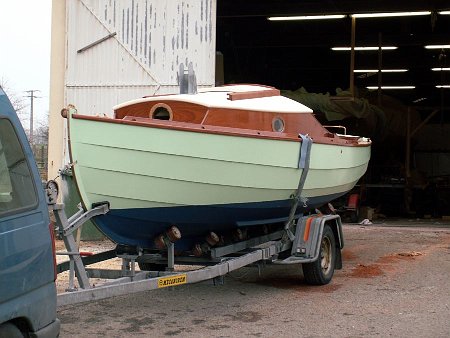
<point>331,139</point>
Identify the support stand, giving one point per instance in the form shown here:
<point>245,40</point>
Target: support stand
<point>66,229</point>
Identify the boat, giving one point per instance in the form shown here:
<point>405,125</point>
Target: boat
<point>221,160</point>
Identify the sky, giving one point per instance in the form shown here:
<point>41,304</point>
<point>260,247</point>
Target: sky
<point>25,31</point>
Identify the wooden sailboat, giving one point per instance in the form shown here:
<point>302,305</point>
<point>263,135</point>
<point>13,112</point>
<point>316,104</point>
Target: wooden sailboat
<point>221,159</point>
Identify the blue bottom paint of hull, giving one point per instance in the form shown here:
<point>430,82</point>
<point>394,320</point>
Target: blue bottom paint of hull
<point>138,227</point>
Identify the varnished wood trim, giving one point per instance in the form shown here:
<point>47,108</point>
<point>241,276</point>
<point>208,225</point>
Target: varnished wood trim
<point>209,129</point>
<point>180,111</point>
<point>304,123</point>
<point>253,95</point>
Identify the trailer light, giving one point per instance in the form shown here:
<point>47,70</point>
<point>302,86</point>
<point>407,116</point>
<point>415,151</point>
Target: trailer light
<point>52,235</point>
<point>307,229</point>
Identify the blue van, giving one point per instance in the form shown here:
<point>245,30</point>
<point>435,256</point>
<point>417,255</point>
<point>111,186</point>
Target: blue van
<point>27,250</point>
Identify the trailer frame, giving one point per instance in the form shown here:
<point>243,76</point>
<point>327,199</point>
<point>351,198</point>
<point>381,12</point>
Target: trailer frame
<point>222,260</point>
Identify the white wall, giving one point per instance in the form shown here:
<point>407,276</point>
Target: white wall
<point>151,38</point>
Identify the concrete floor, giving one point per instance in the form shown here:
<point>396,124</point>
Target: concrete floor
<point>395,282</point>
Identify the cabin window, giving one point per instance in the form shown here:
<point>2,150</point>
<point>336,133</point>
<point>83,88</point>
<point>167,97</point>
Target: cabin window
<point>161,111</point>
<point>278,124</point>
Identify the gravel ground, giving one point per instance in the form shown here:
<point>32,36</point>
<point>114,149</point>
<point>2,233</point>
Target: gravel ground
<point>395,282</point>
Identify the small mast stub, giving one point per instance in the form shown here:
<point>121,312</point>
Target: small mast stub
<point>187,79</point>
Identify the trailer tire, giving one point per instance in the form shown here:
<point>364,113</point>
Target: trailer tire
<point>9,330</point>
<point>321,271</point>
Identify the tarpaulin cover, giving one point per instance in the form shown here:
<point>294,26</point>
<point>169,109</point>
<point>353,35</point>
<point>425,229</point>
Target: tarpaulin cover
<point>334,107</point>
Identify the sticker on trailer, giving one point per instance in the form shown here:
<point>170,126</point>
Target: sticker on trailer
<point>172,281</point>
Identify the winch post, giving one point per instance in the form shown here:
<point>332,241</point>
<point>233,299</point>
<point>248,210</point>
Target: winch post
<point>66,228</point>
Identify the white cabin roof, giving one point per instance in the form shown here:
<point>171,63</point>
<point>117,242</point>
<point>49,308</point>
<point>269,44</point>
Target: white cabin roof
<point>217,97</point>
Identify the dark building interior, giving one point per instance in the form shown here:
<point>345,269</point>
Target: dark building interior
<point>409,172</point>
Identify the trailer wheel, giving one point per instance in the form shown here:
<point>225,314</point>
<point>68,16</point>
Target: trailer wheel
<point>10,330</point>
<point>321,271</point>
<point>151,266</point>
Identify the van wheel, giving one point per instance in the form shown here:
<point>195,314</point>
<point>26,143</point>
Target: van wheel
<point>9,330</point>
<point>321,271</point>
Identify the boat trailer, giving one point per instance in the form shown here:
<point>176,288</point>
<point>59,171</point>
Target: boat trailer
<point>310,246</point>
<point>315,241</point>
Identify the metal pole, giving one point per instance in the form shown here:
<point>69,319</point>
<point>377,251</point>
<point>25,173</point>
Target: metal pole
<point>408,188</point>
<point>380,65</point>
<point>171,257</point>
<point>352,57</point>
<point>31,118</point>
<point>32,96</point>
<point>408,144</point>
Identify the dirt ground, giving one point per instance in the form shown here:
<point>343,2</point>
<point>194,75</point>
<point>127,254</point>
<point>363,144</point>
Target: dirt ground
<point>395,282</point>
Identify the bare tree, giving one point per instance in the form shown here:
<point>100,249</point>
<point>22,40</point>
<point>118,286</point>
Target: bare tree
<point>40,147</point>
<point>41,133</point>
<point>18,102</point>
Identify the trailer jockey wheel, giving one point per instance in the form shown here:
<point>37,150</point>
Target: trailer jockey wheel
<point>321,271</point>
<point>52,190</point>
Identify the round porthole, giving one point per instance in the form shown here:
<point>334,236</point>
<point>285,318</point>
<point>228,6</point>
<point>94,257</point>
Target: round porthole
<point>161,111</point>
<point>278,124</point>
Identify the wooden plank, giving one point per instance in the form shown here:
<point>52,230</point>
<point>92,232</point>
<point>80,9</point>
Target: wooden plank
<point>253,94</point>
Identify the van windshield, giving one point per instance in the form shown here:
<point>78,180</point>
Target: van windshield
<point>16,183</point>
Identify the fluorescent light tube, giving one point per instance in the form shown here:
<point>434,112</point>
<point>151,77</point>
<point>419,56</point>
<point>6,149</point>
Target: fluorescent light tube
<point>437,46</point>
<point>390,87</point>
<point>390,14</point>
<point>443,86</point>
<point>365,48</point>
<point>440,69</point>
<point>305,17</point>
<point>383,70</point>
<point>444,12</point>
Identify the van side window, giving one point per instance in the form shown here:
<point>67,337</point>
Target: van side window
<point>17,189</point>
